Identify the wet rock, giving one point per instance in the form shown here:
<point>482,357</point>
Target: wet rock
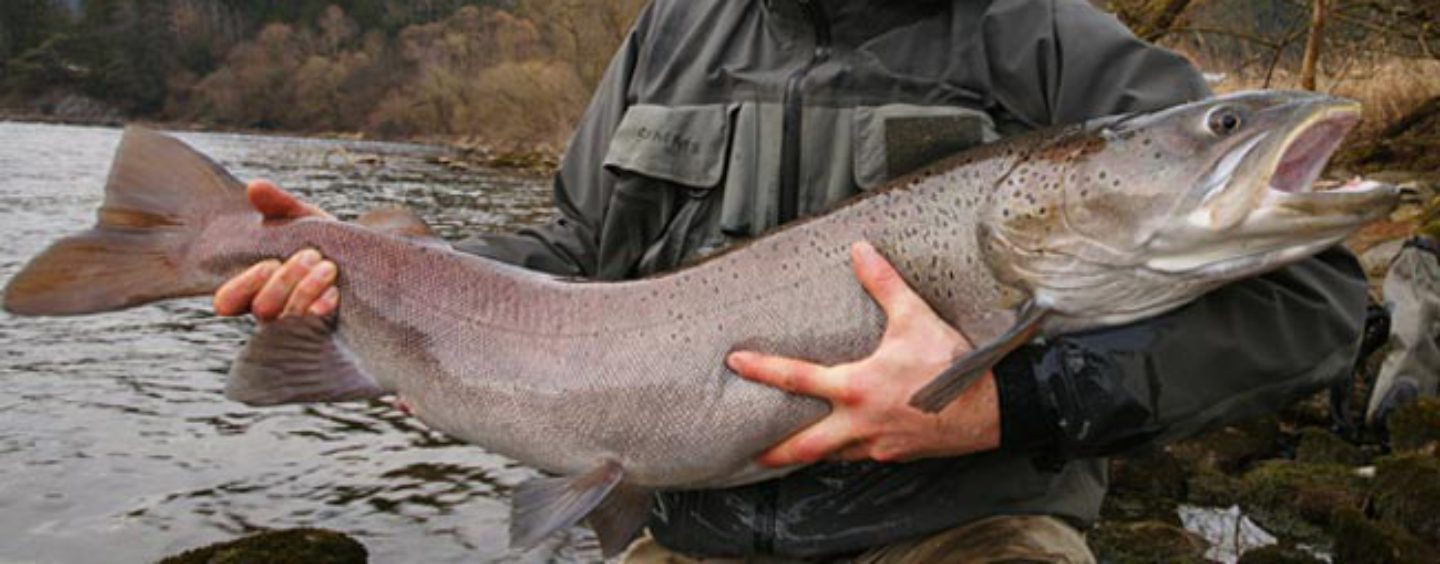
<point>290,546</point>
<point>1361,541</point>
<point>1279,554</point>
<point>1296,500</point>
<point>1145,542</point>
<point>1415,426</point>
<point>1232,448</point>
<point>1407,493</point>
<point>1320,446</point>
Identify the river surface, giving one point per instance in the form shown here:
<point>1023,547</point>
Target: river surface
<point>116,443</point>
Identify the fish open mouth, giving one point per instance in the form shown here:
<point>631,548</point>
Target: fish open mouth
<point>1308,151</point>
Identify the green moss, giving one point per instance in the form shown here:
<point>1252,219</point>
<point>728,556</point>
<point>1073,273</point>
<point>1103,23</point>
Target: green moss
<point>1233,448</point>
<point>1145,542</point>
<point>1319,446</point>
<point>1361,541</point>
<point>1208,486</point>
<point>290,546</point>
<point>1296,500</point>
<point>1278,554</point>
<point>1416,425</point>
<point>1145,487</point>
<point>1407,493</point>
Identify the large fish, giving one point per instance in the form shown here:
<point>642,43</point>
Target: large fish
<point>621,387</point>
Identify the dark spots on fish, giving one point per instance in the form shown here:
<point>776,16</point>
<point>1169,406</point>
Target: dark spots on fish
<point>1102,175</point>
<point>1157,155</point>
<point>1145,141</point>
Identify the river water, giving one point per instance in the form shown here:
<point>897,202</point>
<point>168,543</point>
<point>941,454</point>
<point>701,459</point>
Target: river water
<point>116,443</point>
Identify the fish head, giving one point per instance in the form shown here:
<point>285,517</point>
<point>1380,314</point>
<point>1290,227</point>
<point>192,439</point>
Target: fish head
<point>1155,209</point>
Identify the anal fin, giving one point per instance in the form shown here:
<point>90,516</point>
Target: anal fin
<point>298,360</point>
<point>543,506</point>
<point>620,518</point>
<point>948,385</point>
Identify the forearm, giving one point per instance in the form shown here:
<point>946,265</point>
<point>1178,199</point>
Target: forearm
<point>1238,352</point>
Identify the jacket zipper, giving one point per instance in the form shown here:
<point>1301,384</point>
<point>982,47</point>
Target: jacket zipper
<point>793,116</point>
<point>768,499</point>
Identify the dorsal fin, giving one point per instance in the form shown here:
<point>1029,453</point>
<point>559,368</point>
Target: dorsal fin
<point>397,220</point>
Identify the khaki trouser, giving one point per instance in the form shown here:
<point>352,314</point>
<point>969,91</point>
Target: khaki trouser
<point>1412,294</point>
<point>1026,538</point>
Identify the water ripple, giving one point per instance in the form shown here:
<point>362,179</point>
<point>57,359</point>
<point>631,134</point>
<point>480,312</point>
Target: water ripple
<point>116,440</point>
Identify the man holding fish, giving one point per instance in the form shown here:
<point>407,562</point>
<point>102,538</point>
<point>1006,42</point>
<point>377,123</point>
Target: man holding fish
<point>718,121</point>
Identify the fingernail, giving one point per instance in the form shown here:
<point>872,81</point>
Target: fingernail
<point>738,357</point>
<point>308,258</point>
<point>323,271</point>
<point>865,251</point>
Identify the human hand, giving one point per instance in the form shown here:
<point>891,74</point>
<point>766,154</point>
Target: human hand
<point>303,285</point>
<point>870,416</point>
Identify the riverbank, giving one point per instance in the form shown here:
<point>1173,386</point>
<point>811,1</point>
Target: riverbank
<point>467,152</point>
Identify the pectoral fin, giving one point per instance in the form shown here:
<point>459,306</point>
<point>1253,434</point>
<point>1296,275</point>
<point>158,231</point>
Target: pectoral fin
<point>542,506</point>
<point>948,385</point>
<point>297,360</point>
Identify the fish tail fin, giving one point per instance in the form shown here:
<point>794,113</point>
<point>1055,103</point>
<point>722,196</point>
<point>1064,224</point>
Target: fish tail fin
<point>158,198</point>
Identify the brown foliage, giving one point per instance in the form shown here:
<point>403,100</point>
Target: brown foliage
<point>520,76</point>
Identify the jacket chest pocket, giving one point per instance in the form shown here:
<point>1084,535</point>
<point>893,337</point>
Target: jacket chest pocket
<point>667,162</point>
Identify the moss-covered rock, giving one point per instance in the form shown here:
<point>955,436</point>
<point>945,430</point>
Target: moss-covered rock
<point>1145,487</point>
<point>1296,500</point>
<point>290,546</point>
<point>1145,542</point>
<point>1320,446</point>
<point>1416,425</point>
<point>1279,554</point>
<point>1233,448</point>
<point>1361,541</point>
<point>1210,487</point>
<point>1407,493</point>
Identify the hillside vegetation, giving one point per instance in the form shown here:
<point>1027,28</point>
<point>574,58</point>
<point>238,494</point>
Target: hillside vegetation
<point>518,72</point>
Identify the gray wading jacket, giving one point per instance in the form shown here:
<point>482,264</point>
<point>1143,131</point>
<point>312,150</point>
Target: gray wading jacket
<point>720,119</point>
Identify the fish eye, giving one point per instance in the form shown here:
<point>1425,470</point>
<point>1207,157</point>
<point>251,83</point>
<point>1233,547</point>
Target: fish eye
<point>1224,120</point>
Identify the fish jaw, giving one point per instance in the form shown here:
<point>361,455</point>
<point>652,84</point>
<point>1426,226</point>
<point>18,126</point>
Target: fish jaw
<point>1268,212</point>
<point>1158,209</point>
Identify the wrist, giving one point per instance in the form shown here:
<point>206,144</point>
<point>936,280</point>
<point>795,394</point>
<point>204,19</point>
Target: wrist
<point>975,419</point>
<point>1026,420</point>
